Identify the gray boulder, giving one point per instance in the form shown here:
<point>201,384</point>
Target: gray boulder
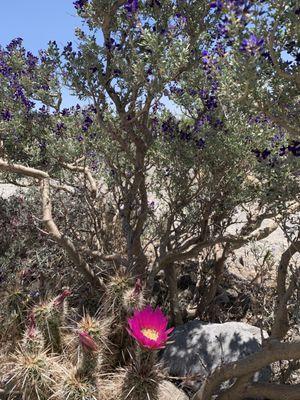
<point>197,348</point>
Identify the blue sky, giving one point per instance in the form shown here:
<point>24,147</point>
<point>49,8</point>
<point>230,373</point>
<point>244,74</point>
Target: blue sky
<point>37,22</point>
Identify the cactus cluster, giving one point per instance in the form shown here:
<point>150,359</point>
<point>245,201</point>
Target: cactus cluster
<point>84,359</point>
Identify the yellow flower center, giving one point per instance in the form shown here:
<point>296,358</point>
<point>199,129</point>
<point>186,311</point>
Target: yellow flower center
<point>150,333</point>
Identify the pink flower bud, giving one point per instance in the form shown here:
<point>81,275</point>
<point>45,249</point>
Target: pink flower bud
<point>60,299</point>
<point>31,330</point>
<point>87,341</point>
<point>138,287</point>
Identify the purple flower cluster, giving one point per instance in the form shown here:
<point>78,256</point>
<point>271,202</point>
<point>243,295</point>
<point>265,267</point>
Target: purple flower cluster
<point>65,112</point>
<point>6,115</point>
<point>131,7</point>
<point>252,45</point>
<point>210,62</point>
<point>31,61</point>
<point>19,94</point>
<point>14,44</point>
<point>172,131</point>
<point>292,148</point>
<point>88,120</point>
<point>80,4</point>
<point>87,123</point>
<point>68,48</point>
<point>13,73</point>
<point>60,126</point>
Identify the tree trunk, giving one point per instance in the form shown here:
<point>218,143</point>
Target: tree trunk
<point>171,279</point>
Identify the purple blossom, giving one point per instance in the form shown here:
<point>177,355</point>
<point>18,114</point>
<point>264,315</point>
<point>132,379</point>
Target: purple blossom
<point>282,151</point>
<point>211,102</point>
<point>200,143</point>
<point>109,44</point>
<point>93,69</point>
<point>31,60</point>
<point>192,92</point>
<point>65,112</point>
<point>6,115</point>
<point>252,45</point>
<point>117,72</point>
<point>14,44</point>
<point>43,110</point>
<point>20,95</point>
<point>92,109</point>
<point>68,49</point>
<point>217,4</point>
<point>5,70</point>
<point>203,93</point>
<point>87,123</point>
<point>45,86</point>
<point>60,126</point>
<point>131,6</point>
<point>80,4</point>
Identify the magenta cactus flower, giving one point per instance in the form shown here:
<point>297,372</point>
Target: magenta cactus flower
<point>149,328</point>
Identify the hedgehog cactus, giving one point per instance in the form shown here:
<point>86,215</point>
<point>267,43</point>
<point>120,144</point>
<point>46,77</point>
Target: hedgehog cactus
<point>142,378</point>
<point>74,387</point>
<point>89,357</point>
<point>97,328</point>
<point>122,299</point>
<point>32,375</point>
<point>33,340</point>
<point>50,317</point>
<point>92,334</point>
<point>119,284</point>
<point>17,305</point>
<point>133,299</point>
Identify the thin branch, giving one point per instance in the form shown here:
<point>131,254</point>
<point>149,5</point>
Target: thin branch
<point>87,172</point>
